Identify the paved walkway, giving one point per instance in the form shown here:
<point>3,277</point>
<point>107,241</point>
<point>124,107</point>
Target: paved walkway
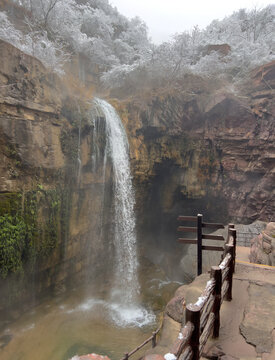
<point>248,321</point>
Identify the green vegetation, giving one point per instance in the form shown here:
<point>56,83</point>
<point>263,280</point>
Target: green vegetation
<point>12,243</point>
<point>31,226</point>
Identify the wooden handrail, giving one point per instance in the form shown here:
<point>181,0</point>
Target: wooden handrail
<point>204,315</point>
<point>200,236</point>
<point>151,338</point>
<point>183,340</point>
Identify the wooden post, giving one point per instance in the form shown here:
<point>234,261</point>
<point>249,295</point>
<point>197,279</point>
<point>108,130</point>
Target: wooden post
<point>229,250</point>
<point>233,233</point>
<point>216,273</point>
<point>199,244</point>
<point>193,315</point>
<point>230,226</point>
<point>154,339</point>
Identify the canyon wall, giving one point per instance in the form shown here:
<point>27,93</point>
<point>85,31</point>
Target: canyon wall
<point>50,191</point>
<point>204,146</point>
<point>201,146</point>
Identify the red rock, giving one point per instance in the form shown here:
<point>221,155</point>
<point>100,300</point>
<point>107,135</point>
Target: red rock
<point>91,357</point>
<point>263,74</point>
<point>222,49</point>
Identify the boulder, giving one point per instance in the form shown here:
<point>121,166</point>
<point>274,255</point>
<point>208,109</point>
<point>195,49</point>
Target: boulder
<point>263,246</point>
<point>175,308</point>
<point>90,357</point>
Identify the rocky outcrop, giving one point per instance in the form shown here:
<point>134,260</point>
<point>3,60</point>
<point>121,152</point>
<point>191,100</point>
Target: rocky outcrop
<point>262,249</point>
<point>203,146</point>
<point>199,147</point>
<point>50,194</point>
<point>210,142</point>
<point>221,49</point>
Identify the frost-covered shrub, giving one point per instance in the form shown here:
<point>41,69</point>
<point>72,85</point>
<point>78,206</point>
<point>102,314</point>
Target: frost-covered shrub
<point>8,32</point>
<point>120,48</point>
<point>37,44</point>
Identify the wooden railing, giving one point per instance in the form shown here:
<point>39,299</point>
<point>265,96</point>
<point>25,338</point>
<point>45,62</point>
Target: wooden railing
<point>152,338</point>
<point>203,317</point>
<point>198,229</point>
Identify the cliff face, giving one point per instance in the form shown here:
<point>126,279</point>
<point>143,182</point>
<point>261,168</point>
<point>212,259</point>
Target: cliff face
<point>199,147</point>
<point>219,142</point>
<point>203,147</point>
<point>50,195</point>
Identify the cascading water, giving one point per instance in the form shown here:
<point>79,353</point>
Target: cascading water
<point>87,319</point>
<point>79,149</point>
<point>126,280</point>
<point>124,297</point>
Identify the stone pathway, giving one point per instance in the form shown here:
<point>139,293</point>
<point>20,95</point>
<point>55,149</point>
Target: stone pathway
<point>247,322</point>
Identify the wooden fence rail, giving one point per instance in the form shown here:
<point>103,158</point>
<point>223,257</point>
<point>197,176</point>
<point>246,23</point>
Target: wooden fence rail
<point>203,317</point>
<point>152,338</point>
<point>198,229</point>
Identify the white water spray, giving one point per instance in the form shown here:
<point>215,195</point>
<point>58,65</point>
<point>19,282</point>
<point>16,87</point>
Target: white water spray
<point>126,285</point>
<point>124,306</point>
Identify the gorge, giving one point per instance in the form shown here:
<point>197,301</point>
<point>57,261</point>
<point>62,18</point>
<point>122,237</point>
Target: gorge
<point>90,189</point>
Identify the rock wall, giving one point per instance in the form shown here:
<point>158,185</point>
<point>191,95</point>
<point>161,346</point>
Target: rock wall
<point>203,146</point>
<point>50,194</point>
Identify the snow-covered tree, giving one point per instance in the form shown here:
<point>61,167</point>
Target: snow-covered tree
<point>120,50</point>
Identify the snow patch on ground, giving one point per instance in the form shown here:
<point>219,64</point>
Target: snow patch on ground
<point>170,356</point>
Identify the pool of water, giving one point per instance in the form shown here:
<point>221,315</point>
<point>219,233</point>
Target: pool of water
<point>81,322</point>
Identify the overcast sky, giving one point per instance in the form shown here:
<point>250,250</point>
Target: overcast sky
<point>166,17</point>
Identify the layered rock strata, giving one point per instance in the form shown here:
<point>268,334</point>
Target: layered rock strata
<point>203,146</point>
<point>50,192</point>
<point>200,147</point>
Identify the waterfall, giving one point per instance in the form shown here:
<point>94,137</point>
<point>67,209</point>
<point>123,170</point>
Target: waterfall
<point>124,307</point>
<point>79,164</point>
<point>126,285</point>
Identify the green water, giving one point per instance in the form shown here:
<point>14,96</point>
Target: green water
<point>80,322</point>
